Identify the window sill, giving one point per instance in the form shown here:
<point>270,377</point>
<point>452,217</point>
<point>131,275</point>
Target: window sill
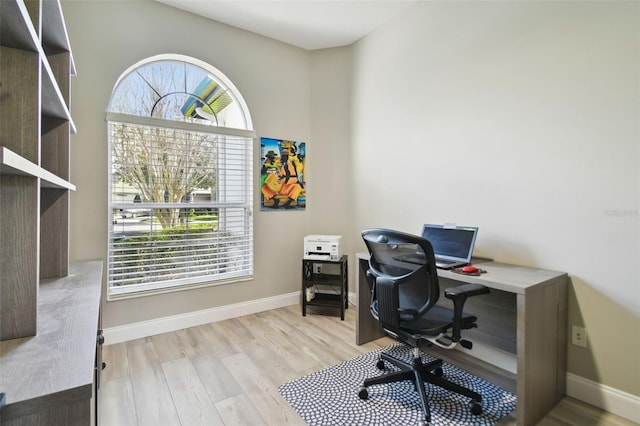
<point>122,294</point>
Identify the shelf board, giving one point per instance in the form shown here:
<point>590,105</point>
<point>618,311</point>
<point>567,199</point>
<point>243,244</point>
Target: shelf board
<point>53,104</point>
<point>16,29</point>
<point>12,164</point>
<point>54,30</point>
<point>326,301</point>
<point>324,279</point>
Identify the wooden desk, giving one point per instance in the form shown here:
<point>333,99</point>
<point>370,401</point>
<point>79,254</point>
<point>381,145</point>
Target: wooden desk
<point>539,299</point>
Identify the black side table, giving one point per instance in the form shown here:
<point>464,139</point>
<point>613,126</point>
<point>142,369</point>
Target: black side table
<point>325,283</point>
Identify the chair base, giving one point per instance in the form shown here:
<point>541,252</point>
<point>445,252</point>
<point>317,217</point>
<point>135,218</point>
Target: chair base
<point>420,373</point>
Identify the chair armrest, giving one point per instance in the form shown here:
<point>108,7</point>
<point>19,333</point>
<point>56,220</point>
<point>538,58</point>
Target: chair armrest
<point>459,295</point>
<point>465,290</point>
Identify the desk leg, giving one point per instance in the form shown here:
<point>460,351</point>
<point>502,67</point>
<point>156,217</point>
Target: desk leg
<point>542,351</point>
<point>367,327</point>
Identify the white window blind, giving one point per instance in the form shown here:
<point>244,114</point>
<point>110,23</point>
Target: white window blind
<point>181,200</point>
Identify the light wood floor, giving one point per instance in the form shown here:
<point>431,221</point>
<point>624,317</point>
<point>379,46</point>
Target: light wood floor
<point>228,372</point>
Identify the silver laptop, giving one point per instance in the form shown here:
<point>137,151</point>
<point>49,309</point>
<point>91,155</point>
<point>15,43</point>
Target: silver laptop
<point>452,245</point>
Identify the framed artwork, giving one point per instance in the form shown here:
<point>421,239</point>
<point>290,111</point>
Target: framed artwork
<point>282,183</point>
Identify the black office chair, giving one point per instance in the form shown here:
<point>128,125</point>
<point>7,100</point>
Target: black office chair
<point>404,298</point>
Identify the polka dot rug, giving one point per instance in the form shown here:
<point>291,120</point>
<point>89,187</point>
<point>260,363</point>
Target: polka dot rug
<point>330,397</point>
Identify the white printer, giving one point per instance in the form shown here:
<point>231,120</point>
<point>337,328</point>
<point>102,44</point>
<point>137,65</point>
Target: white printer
<point>323,247</point>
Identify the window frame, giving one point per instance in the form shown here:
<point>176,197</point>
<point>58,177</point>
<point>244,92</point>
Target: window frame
<point>245,206</point>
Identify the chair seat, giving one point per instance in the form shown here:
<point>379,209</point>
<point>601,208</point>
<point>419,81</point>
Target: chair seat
<point>438,320</point>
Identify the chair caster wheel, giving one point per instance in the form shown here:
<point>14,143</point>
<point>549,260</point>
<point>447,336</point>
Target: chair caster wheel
<point>476,408</point>
<point>437,371</point>
<point>380,364</point>
<point>363,393</point>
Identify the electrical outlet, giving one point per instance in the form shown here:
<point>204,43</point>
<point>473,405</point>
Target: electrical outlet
<point>579,336</point>
<point>318,269</point>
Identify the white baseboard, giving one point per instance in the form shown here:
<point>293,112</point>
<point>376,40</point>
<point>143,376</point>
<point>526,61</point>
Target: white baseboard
<point>604,397</point>
<point>141,329</point>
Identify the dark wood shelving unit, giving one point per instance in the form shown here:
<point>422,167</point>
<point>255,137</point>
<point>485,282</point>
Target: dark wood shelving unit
<point>49,310</point>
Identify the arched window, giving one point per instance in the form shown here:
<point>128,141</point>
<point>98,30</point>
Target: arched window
<point>180,194</point>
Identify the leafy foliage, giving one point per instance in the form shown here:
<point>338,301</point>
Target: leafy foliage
<point>152,257</point>
<point>164,165</point>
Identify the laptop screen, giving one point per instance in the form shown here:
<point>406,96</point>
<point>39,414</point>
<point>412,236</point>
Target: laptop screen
<point>451,242</point>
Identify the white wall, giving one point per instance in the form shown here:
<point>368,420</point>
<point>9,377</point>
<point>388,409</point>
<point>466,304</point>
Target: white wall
<point>330,173</point>
<point>275,80</point>
<point>521,118</point>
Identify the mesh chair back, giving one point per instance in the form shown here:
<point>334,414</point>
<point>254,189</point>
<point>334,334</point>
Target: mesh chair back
<point>407,261</point>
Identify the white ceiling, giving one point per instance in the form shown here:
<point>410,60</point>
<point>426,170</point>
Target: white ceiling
<point>310,24</point>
